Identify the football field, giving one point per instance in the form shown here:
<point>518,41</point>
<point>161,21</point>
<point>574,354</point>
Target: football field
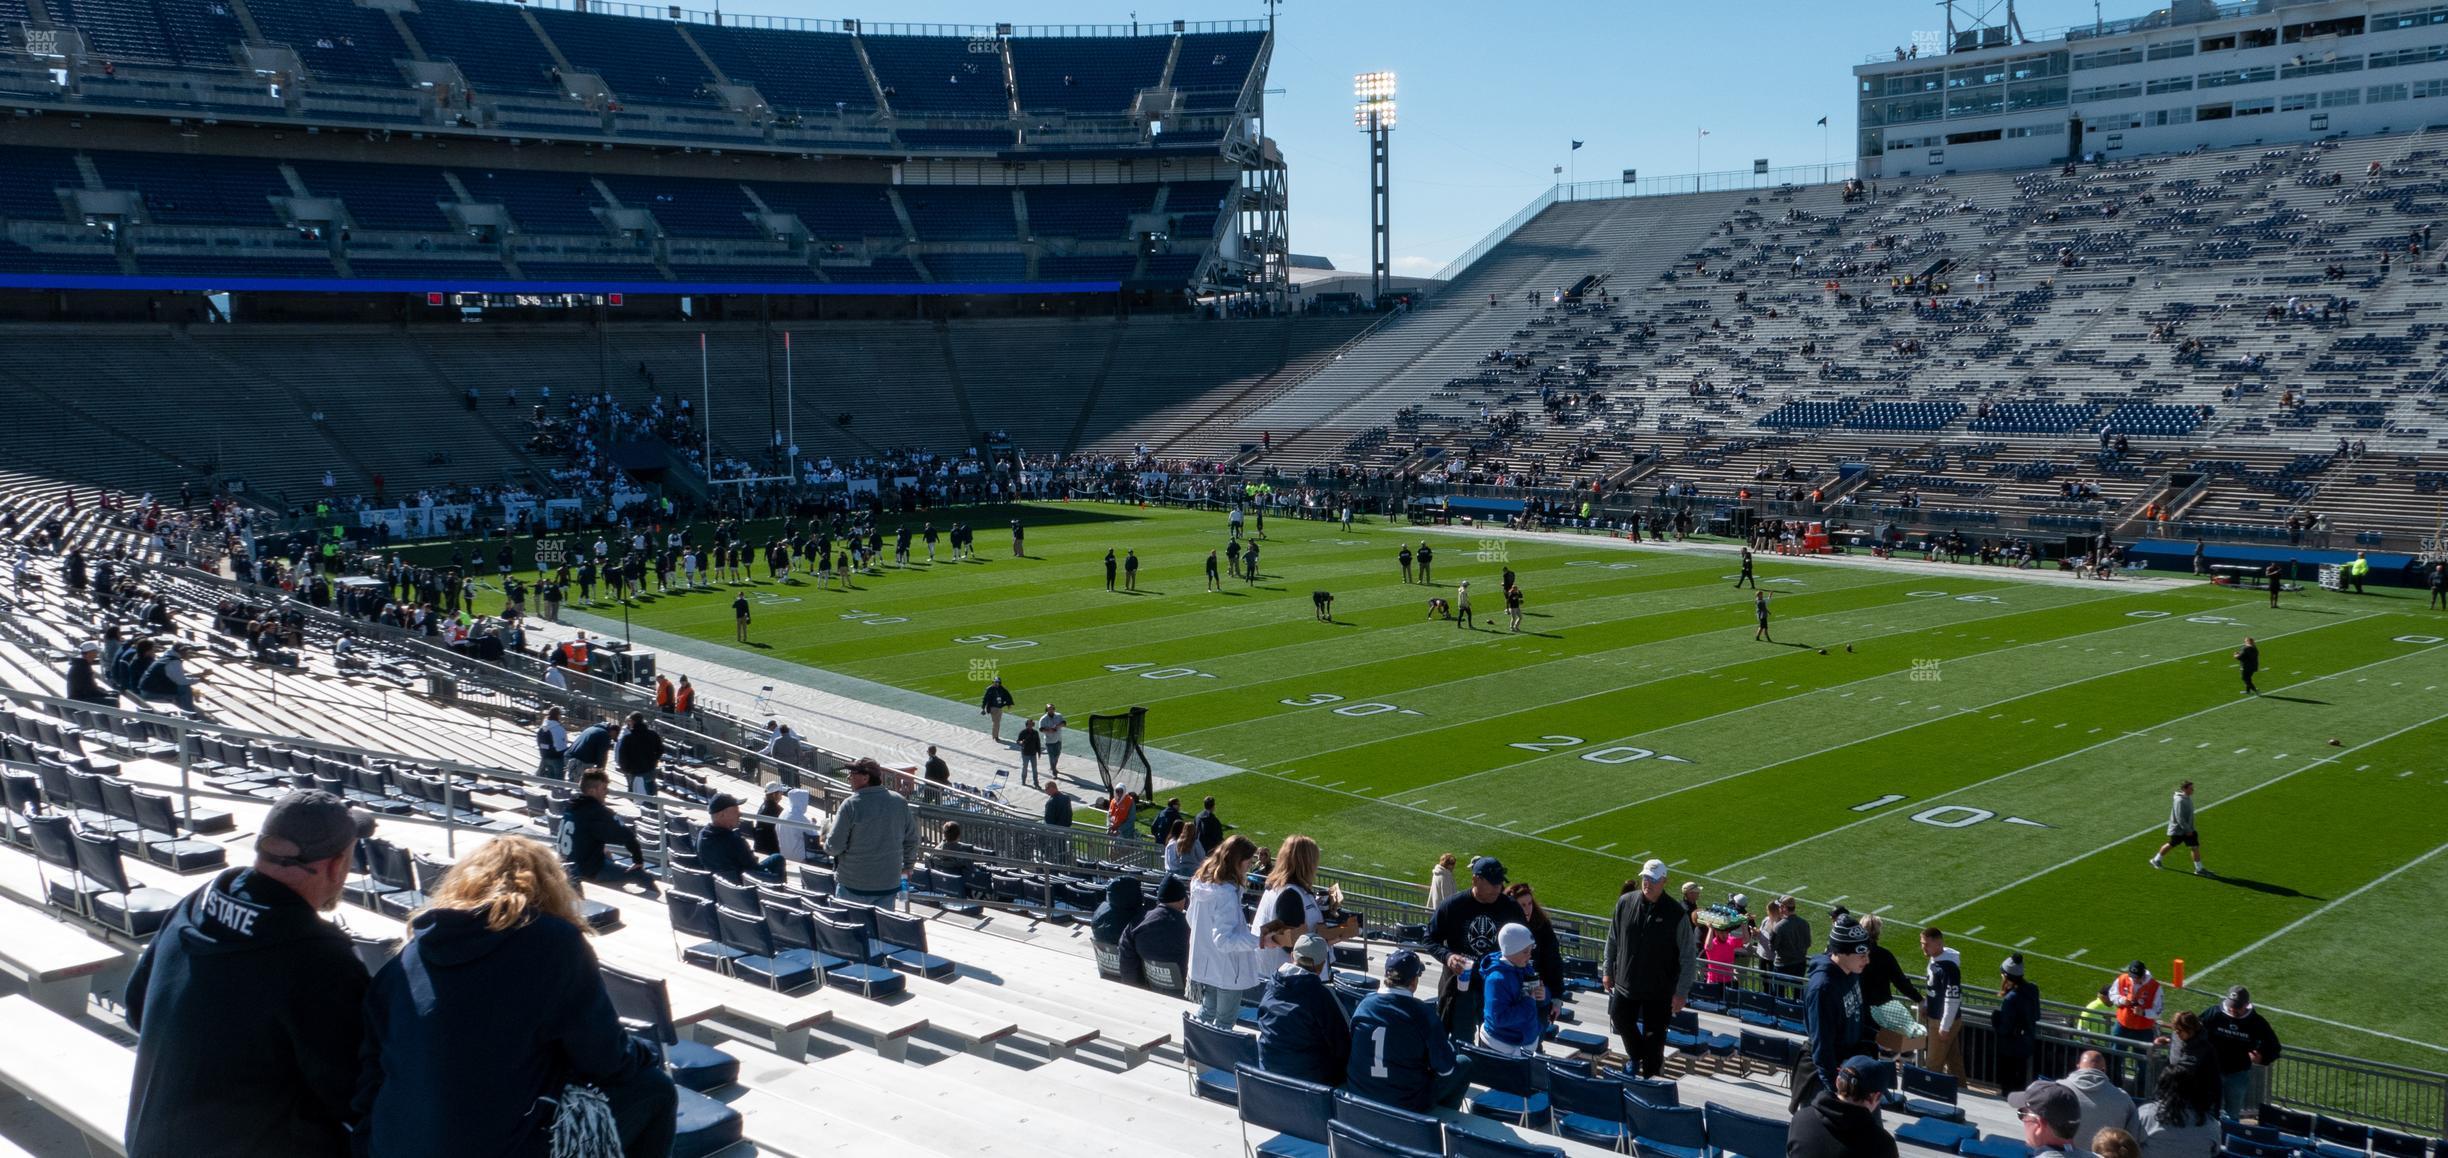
<point>1988,751</point>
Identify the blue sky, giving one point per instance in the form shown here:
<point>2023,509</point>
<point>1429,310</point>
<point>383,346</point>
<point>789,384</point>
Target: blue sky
<point>1492,94</point>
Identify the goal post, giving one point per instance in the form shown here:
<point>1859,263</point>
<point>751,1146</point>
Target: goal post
<point>1122,762</point>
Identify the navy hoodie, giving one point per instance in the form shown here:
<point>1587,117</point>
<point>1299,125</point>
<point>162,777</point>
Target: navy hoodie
<point>248,1009</point>
<point>467,1029</point>
<point>1838,1022</point>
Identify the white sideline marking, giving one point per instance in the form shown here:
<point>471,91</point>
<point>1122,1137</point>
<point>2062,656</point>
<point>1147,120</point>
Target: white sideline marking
<point>2298,922</point>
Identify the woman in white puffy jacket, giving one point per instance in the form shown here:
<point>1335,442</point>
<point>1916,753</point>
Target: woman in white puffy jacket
<point>1227,959</point>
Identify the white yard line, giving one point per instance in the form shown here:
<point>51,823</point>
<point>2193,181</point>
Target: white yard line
<point>1780,700</point>
<point>2138,834</point>
<point>1671,675</point>
<point>2062,756</point>
<point>2307,918</point>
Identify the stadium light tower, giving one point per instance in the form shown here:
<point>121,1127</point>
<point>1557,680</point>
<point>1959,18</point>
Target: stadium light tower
<point>1373,113</point>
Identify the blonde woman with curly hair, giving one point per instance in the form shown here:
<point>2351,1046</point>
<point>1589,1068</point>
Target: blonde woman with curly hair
<point>493,1013</point>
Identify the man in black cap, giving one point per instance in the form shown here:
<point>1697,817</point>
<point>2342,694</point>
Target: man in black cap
<point>2051,1114</point>
<point>1464,929</point>
<point>2240,1039</point>
<point>1837,1021</point>
<point>248,1008</point>
<point>721,849</point>
<point>1162,934</point>
<point>1843,1121</point>
<point>1648,967</point>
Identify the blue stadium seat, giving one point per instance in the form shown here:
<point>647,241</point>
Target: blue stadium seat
<point>1296,1112</point>
<point>1930,1094</point>
<point>857,972</point>
<point>760,960</point>
<point>1586,1108</point>
<point>1935,1133</point>
<point>979,268</point>
<point>2286,1121</point>
<point>1343,1140</point>
<point>383,197</point>
<point>1461,1143</point>
<point>31,182</point>
<point>1735,1134</point>
<point>1665,1131</point>
<point>337,41</point>
<point>644,1006</point>
<point>1089,212</point>
<point>688,206</point>
<point>1505,1085</point>
<point>703,1126</point>
<point>118,904</point>
<point>904,940</point>
<point>491,43</point>
<point>1683,1033</point>
<point>834,212</point>
<point>1993,1147</point>
<point>941,75</point>
<point>695,917</point>
<point>793,71</point>
<point>1776,1055</point>
<point>539,202</point>
<point>961,212</point>
<point>642,60</point>
<point>1655,1091</point>
<point>190,190</point>
<point>2392,1144</point>
<point>1212,68</point>
<point>1086,74</point>
<point>1212,1057</point>
<point>1389,1124</point>
<point>1580,1041</point>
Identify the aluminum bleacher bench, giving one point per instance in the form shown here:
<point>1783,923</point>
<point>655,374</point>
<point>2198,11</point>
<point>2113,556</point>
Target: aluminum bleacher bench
<point>78,1075</point>
<point>55,961</point>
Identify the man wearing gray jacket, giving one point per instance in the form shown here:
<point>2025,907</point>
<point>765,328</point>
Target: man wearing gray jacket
<point>2180,830</point>
<point>874,839</point>
<point>2103,1104</point>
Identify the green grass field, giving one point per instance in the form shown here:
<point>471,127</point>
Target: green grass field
<point>1989,753</point>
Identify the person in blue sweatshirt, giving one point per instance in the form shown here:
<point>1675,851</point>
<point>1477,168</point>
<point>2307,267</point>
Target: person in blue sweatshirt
<point>491,1011</point>
<point>1511,994</point>
<point>1301,1030</point>
<point>248,1007</point>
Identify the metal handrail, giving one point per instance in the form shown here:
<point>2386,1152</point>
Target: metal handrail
<point>1496,236</point>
